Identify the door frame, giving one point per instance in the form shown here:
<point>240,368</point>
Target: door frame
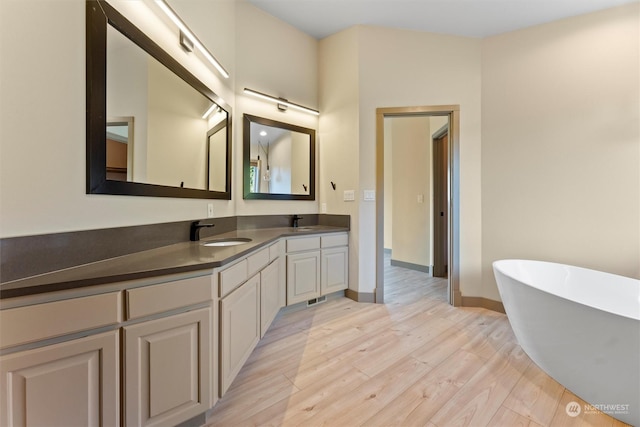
<point>453,113</point>
<point>440,181</point>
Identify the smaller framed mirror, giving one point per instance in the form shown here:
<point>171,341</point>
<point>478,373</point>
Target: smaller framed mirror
<point>279,160</point>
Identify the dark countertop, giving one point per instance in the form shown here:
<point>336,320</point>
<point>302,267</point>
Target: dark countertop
<point>176,258</point>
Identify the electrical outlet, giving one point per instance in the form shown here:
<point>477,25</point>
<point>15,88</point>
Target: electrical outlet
<point>210,210</point>
<point>323,208</point>
<point>420,198</point>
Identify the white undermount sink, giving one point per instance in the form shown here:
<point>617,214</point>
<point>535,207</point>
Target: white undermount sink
<point>231,241</point>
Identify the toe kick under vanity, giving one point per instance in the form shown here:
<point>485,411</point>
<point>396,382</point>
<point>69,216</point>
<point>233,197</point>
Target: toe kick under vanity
<point>160,349</point>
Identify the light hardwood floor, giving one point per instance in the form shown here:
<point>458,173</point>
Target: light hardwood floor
<point>413,361</point>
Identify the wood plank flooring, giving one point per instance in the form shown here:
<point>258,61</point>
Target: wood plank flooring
<point>413,361</point>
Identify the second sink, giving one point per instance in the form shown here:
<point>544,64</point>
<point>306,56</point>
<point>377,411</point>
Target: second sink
<point>231,241</point>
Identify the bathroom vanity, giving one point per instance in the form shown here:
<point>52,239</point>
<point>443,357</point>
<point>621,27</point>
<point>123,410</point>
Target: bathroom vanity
<point>160,349</point>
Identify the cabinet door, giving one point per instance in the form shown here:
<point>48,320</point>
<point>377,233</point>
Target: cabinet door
<point>167,365</point>
<point>239,329</point>
<point>303,276</point>
<point>74,383</point>
<point>270,290</point>
<point>335,270</point>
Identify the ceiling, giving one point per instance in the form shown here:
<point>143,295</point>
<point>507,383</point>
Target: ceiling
<point>470,18</point>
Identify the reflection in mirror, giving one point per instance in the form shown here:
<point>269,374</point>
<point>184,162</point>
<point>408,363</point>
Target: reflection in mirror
<point>279,160</point>
<point>170,132</point>
<point>217,155</point>
<point>179,146</point>
<point>120,149</point>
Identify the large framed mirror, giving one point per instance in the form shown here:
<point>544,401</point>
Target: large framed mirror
<point>279,160</point>
<point>153,128</point>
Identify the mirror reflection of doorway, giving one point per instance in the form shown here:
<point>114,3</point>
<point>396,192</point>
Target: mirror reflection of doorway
<point>217,158</point>
<point>417,210</point>
<point>119,144</point>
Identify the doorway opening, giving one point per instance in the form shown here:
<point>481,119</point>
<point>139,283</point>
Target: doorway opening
<point>440,243</point>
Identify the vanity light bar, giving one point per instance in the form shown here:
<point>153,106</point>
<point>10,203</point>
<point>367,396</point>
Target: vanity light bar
<point>209,111</point>
<point>280,101</point>
<point>189,34</point>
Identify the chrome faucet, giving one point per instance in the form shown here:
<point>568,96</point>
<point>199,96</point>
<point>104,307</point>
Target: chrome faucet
<point>194,232</point>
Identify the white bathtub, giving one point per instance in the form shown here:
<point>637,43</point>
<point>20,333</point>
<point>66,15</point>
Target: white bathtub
<point>582,327</point>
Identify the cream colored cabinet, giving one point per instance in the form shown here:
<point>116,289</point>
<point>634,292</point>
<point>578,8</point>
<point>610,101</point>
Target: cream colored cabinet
<point>239,329</point>
<point>334,263</point>
<point>335,270</point>
<point>72,383</point>
<point>316,265</point>
<point>303,276</point>
<point>252,291</point>
<point>169,351</point>
<point>60,366</point>
<point>167,365</point>
<point>271,295</point>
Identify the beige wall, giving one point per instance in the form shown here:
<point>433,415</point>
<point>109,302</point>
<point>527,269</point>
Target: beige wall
<point>436,70</point>
<point>338,139</point>
<point>561,144</point>
<point>278,59</point>
<point>411,152</point>
<point>387,68</point>
<point>47,74</point>
<point>388,185</point>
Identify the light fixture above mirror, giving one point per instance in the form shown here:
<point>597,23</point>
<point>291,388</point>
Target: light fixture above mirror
<point>191,39</point>
<point>282,103</point>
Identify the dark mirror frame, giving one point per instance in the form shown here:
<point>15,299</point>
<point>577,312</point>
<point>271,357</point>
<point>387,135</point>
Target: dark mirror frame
<point>246,149</point>
<point>99,14</point>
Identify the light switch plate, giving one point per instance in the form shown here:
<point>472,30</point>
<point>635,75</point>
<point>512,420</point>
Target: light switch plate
<point>369,195</point>
<point>349,195</point>
<point>420,198</point>
<point>323,208</point>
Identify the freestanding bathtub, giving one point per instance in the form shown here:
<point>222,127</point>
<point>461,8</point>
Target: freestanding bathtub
<point>582,327</point>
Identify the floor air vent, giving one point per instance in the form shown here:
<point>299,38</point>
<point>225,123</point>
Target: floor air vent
<point>316,301</point>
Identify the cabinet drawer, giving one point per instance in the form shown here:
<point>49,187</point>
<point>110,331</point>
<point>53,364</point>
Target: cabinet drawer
<point>303,244</point>
<point>233,277</point>
<point>333,240</point>
<point>37,322</point>
<point>168,296</point>
<point>256,261</point>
